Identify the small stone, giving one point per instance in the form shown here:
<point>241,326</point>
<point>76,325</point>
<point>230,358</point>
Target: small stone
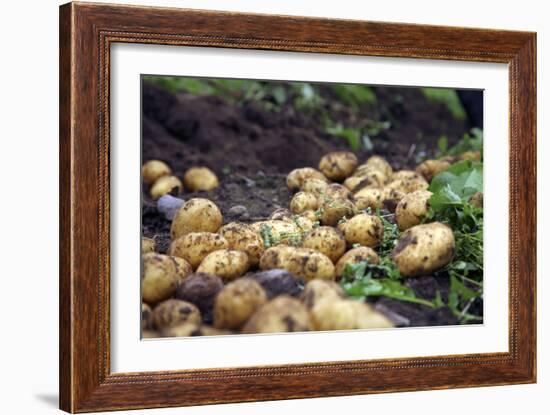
<point>168,205</point>
<point>237,210</point>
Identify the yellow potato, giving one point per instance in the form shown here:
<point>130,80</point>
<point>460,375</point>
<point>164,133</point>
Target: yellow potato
<point>331,314</point>
<point>424,249</point>
<point>297,177</point>
<point>335,191</point>
<point>147,245</point>
<point>166,185</point>
<point>158,281</point>
<point>412,209</point>
<point>302,262</point>
<point>477,199</point>
<point>408,185</point>
<point>311,216</point>
<point>338,165</point>
<point>153,170</point>
<point>275,232</point>
<point>471,155</point>
<point>391,197</point>
<point>335,210</point>
<point>183,329</point>
<point>406,175</point>
<point>368,197</point>
<point>318,290</point>
<point>380,164</point>
<point>281,214</point>
<point>363,229</point>
<point>315,186</point>
<point>302,202</point>
<point>195,246</point>
<point>227,264</point>
<point>430,168</point>
<point>283,314</point>
<point>175,311</point>
<point>237,302</point>
<point>326,240</point>
<point>146,317</point>
<point>242,237</point>
<point>183,268</point>
<point>355,256</point>
<point>196,215</point>
<point>200,178</point>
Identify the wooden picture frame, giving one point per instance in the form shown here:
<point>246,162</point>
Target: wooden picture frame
<point>86,33</point>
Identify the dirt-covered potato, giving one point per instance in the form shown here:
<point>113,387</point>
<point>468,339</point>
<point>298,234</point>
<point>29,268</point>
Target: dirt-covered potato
<point>146,317</point>
<point>280,214</point>
<point>408,185</point>
<point>368,197</point>
<point>424,249</point>
<point>310,215</point>
<point>183,329</point>
<point>200,178</point>
<point>303,262</point>
<point>338,165</point>
<point>412,209</point>
<point>206,330</point>
<point>278,231</point>
<point>195,246</point>
<point>365,176</point>
<point>355,256</point>
<point>406,175</point>
<point>280,315</point>
<point>237,302</point>
<point>390,198</point>
<point>227,264</point>
<point>326,240</point>
<point>471,155</point>
<point>318,290</point>
<point>330,314</point>
<point>242,237</point>
<point>196,215</point>
<point>201,290</point>
<point>315,186</point>
<point>277,281</point>
<point>380,163</point>
<point>303,201</point>
<point>166,185</point>
<point>297,177</point>
<point>477,199</point>
<point>174,311</point>
<point>363,229</point>
<point>335,191</point>
<point>183,268</point>
<point>147,245</point>
<point>150,334</point>
<point>335,210</point>
<point>153,170</point>
<point>158,281</point>
<point>430,168</point>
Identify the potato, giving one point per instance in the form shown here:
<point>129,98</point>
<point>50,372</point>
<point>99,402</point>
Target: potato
<point>363,229</point>
<point>303,201</point>
<point>338,165</point>
<point>408,185</point>
<point>471,155</point>
<point>318,290</point>
<point>406,175</point>
<point>201,290</point>
<point>166,185</point>
<point>149,334</point>
<point>281,214</point>
<point>183,329</point>
<point>195,246</point>
<point>326,240</point>
<point>196,215</point>
<point>412,209</point>
<point>368,197</point>
<point>158,281</point>
<point>380,164</point>
<point>147,245</point>
<point>146,317</point>
<point>280,315</point>
<point>365,176</point>
<point>277,281</point>
<point>206,330</point>
<point>297,177</point>
<point>237,302</point>
<point>183,268</point>
<point>311,216</point>
<point>333,211</point>
<point>477,199</point>
<point>355,256</point>
<point>331,314</point>
<point>174,311</point>
<point>200,178</point>
<point>303,222</point>
<point>390,198</point>
<point>242,237</point>
<point>278,232</point>
<point>430,168</point>
<point>424,249</point>
<point>315,186</point>
<point>335,191</point>
<point>227,264</point>
<point>303,262</point>
<point>153,170</point>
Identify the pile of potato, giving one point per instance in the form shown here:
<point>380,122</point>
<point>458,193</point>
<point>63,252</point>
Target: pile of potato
<point>280,274</point>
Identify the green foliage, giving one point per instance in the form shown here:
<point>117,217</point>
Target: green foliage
<point>354,95</point>
<point>456,185</point>
<point>352,136</point>
<point>449,97</point>
<point>472,141</point>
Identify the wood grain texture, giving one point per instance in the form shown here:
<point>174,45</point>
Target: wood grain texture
<point>86,33</point>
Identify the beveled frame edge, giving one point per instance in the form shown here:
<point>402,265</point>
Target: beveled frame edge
<point>86,33</point>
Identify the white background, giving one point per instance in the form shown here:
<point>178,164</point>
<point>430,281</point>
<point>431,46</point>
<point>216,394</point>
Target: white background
<point>28,163</point>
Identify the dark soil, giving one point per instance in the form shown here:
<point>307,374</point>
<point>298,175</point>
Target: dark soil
<point>252,150</point>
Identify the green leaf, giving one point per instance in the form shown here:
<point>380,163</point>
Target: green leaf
<point>449,97</point>
<point>444,197</point>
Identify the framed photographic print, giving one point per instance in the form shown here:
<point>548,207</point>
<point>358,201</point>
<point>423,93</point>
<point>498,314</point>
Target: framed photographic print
<point>260,207</point>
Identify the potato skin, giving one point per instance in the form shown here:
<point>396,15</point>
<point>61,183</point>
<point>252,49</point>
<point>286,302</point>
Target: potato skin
<point>146,317</point>
<point>166,185</point>
<point>280,214</point>
<point>175,311</point>
<point>355,256</point>
<point>477,200</point>
<point>227,264</point>
<point>471,155</point>
<point>331,314</point>
<point>314,186</point>
<point>296,177</point>
<point>391,197</point>
<point>278,231</point>
<point>147,245</point>
<point>237,302</point>
<point>365,176</point>
<point>338,165</point>
<point>408,185</point>
<point>153,170</point>
<point>201,290</point>
<point>318,290</point>
<point>334,210</point>
<point>158,281</point>
<point>200,178</point>
<point>336,191</point>
<point>368,197</point>
<point>195,246</point>
<point>242,237</point>
<point>326,240</point>
<point>183,268</point>
<point>381,164</point>
<point>423,249</point>
<point>302,202</point>
<point>412,209</point>
<point>302,262</point>
<point>430,168</point>
<point>363,229</point>
<point>183,329</point>
<point>196,215</point>
<point>281,315</point>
